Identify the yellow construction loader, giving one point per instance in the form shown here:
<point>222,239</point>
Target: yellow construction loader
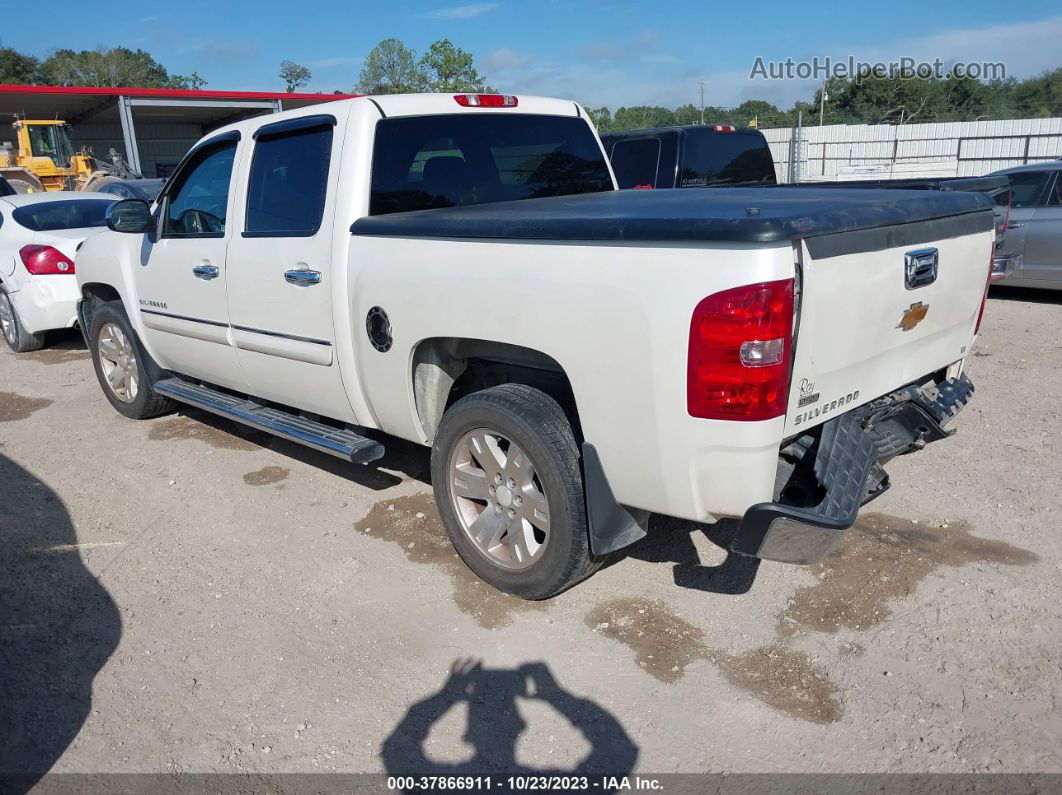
<point>44,159</point>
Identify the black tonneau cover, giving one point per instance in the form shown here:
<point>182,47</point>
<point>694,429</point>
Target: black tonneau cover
<point>752,215</point>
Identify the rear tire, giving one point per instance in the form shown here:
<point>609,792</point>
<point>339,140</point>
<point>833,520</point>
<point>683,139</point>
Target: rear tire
<point>509,488</point>
<point>120,363</point>
<point>99,182</point>
<point>22,186</point>
<point>15,335</point>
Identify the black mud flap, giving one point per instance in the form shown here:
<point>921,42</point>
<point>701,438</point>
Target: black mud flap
<point>611,525</point>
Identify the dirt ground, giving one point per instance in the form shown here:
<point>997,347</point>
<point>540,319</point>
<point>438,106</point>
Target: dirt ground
<point>182,595</point>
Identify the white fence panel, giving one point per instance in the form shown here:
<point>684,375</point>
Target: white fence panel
<point>938,148</point>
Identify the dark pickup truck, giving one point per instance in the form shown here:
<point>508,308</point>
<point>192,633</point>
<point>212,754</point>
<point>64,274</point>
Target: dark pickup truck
<point>722,155</point>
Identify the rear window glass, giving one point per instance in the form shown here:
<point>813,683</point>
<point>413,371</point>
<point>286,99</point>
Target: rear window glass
<point>426,162</point>
<point>635,162</point>
<point>711,158</point>
<point>69,214</point>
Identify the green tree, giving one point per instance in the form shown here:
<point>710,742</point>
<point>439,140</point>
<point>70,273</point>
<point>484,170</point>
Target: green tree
<point>640,116</point>
<point>1040,97</point>
<point>447,68</point>
<point>193,81</point>
<point>601,118</point>
<point>294,75</point>
<point>765,114</point>
<point>687,114</point>
<point>390,68</point>
<point>119,66</point>
<point>17,67</point>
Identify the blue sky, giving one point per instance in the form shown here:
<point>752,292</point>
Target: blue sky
<point>600,53</point>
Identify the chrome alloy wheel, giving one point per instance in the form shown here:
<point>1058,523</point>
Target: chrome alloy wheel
<point>118,362</point>
<point>7,320</point>
<point>499,499</point>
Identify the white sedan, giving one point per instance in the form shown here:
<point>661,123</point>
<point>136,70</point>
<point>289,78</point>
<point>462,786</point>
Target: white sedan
<point>39,234</point>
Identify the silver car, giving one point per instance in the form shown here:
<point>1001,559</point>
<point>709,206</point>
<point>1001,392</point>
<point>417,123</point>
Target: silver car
<point>1034,233</point>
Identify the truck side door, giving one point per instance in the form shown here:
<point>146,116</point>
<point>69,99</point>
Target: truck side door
<point>181,279</point>
<point>280,269</point>
<point>1043,238</point>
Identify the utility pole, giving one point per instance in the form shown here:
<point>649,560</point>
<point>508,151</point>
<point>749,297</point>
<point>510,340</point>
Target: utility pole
<point>794,149</point>
<point>822,102</point>
<point>702,101</point>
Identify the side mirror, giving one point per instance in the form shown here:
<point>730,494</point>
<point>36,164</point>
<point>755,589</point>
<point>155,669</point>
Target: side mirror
<point>129,215</point>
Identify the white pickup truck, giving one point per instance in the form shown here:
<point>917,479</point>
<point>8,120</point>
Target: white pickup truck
<point>460,271</point>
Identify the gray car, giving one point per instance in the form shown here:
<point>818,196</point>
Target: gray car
<point>1034,233</point>
<point>144,189</point>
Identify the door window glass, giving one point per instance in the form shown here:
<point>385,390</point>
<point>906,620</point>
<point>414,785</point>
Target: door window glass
<point>197,204</point>
<point>289,178</point>
<point>1055,197</point>
<point>1026,187</point>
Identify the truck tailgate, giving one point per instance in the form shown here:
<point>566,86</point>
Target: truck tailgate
<point>865,328</point>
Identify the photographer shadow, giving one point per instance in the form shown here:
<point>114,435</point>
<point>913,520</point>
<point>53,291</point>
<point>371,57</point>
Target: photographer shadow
<point>58,626</point>
<point>495,724</point>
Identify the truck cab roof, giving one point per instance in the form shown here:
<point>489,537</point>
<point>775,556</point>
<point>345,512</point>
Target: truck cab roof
<point>394,105</point>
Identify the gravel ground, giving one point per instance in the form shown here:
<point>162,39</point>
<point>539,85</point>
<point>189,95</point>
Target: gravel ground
<point>182,595</point>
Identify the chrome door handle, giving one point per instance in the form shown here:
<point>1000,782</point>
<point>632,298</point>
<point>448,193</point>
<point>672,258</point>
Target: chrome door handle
<point>205,271</point>
<point>1014,225</point>
<point>302,277</point>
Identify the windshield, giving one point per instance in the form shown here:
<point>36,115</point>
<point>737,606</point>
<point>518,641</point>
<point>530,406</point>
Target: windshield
<point>68,214</point>
<point>459,159</point>
<point>51,140</point>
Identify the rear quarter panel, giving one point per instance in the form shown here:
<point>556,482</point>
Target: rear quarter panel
<point>615,316</point>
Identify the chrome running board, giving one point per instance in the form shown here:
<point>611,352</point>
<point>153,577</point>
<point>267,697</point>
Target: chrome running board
<point>339,442</point>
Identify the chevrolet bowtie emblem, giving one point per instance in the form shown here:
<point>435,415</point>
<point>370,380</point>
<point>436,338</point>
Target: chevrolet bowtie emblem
<point>913,316</point>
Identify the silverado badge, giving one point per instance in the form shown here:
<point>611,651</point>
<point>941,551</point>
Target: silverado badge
<point>914,315</point>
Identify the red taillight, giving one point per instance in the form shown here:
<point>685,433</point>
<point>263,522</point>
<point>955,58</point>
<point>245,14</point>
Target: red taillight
<point>45,261</point>
<point>723,127</point>
<point>740,353</point>
<point>486,100</point>
<point>988,281</point>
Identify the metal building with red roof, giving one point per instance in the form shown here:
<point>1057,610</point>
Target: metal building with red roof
<point>151,127</point>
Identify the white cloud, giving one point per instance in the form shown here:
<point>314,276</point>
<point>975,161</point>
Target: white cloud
<point>220,49</point>
<point>614,74</point>
<point>505,60</point>
<point>463,12</point>
<point>1025,48</point>
<point>334,63</point>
